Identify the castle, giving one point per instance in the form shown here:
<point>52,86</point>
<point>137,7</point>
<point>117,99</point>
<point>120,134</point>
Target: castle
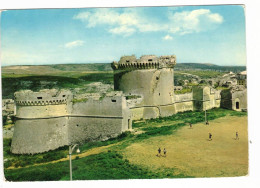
<point>143,89</point>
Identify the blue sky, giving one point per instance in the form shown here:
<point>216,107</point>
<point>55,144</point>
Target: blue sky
<point>200,34</point>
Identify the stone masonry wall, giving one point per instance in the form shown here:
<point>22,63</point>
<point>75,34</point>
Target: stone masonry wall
<point>39,135</point>
<point>183,102</point>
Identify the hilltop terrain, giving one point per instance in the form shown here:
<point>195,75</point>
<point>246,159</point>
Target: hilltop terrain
<point>59,68</point>
<point>69,76</point>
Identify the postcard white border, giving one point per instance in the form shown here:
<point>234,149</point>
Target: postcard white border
<point>253,68</point>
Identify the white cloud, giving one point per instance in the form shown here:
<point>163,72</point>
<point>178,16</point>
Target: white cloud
<point>167,37</point>
<point>124,30</point>
<point>74,44</point>
<point>129,21</point>
<point>194,21</point>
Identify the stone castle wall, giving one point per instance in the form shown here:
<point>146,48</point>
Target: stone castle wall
<point>99,119</point>
<point>206,98</point>
<point>183,102</point>
<point>39,135</point>
<point>43,126</point>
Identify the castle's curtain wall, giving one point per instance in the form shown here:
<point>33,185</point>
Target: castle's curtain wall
<point>137,113</point>
<point>99,119</point>
<point>226,99</point>
<point>184,106</point>
<point>107,106</point>
<point>167,110</point>
<point>197,98</point>
<point>183,102</point>
<point>93,128</point>
<point>39,135</point>
<point>183,97</point>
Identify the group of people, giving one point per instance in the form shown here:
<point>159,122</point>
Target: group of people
<point>210,138</point>
<point>159,152</point>
<point>207,123</point>
<point>210,135</point>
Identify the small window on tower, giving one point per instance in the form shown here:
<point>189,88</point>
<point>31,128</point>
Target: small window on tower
<point>39,97</point>
<point>63,95</point>
<point>150,60</point>
<point>127,61</point>
<point>113,100</point>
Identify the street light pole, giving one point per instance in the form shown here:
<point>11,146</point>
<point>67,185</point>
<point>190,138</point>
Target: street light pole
<point>205,108</point>
<point>205,114</point>
<point>71,148</point>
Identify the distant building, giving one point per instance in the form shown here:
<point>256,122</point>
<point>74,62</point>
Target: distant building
<point>242,78</point>
<point>234,98</point>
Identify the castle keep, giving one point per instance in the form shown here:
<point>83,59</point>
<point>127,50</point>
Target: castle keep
<point>149,85</point>
<point>143,89</point>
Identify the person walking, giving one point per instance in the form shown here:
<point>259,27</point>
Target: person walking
<point>210,136</point>
<point>237,138</point>
<point>207,122</point>
<point>164,152</point>
<point>159,152</point>
<point>190,126</point>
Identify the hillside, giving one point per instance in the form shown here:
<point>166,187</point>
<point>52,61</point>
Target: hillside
<point>68,76</point>
<point>209,67</point>
<point>59,68</point>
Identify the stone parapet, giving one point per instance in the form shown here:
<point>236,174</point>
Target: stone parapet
<point>145,62</point>
<point>41,103</point>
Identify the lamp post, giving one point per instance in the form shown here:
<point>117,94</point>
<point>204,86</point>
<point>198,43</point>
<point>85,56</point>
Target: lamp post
<point>204,100</point>
<point>71,148</point>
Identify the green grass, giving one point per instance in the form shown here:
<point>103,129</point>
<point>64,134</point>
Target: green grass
<point>158,128</point>
<point>183,91</point>
<point>202,74</point>
<point>107,165</point>
<point>19,160</point>
<point>79,100</point>
<point>24,160</point>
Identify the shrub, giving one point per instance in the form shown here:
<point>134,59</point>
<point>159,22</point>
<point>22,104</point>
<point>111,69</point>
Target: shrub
<point>4,120</point>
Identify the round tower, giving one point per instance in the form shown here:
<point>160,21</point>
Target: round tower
<point>150,78</point>
<point>41,120</point>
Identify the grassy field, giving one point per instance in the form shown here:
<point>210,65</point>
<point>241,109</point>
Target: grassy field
<point>133,155</point>
<point>190,152</point>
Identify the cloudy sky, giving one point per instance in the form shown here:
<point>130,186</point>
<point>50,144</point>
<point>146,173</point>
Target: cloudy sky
<point>200,34</point>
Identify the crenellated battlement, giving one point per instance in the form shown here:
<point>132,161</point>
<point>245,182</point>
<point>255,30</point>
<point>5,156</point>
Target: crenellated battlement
<point>145,62</point>
<point>42,98</point>
<point>41,103</point>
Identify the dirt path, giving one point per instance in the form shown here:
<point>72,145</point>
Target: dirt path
<point>191,153</point>
<point>81,155</point>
